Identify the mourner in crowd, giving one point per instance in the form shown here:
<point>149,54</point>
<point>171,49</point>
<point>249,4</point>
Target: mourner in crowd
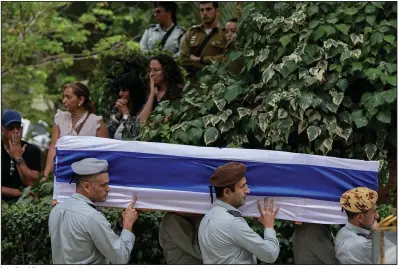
<point>166,33</point>
<point>78,119</point>
<point>123,122</point>
<point>20,160</point>
<point>313,244</point>
<point>224,235</point>
<point>166,83</point>
<point>231,30</point>
<point>178,237</point>
<point>80,234</point>
<point>353,241</point>
<point>203,43</point>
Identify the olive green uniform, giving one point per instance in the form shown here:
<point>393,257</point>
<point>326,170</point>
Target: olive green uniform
<point>212,51</point>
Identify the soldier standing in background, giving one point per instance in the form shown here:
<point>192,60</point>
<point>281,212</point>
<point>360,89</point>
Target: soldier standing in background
<point>167,32</point>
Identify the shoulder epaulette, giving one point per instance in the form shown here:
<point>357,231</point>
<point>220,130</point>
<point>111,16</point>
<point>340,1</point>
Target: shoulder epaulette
<point>234,213</point>
<point>151,26</point>
<point>196,26</point>
<point>181,28</point>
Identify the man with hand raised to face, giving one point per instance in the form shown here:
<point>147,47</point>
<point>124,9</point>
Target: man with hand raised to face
<point>80,234</point>
<point>20,161</point>
<point>224,235</point>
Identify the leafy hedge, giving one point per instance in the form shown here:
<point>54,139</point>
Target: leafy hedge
<point>318,78</point>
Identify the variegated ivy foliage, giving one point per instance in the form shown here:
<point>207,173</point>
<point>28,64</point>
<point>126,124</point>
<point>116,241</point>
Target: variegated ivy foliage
<point>290,93</point>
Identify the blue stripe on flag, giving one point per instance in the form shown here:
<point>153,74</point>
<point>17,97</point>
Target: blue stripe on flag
<point>191,174</point>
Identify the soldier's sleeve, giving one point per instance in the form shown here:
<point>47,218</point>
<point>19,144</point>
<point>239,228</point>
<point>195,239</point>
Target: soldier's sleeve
<point>267,249</point>
<point>180,41</point>
<point>144,41</point>
<point>365,252</point>
<point>185,59</point>
<point>209,59</point>
<point>321,245</point>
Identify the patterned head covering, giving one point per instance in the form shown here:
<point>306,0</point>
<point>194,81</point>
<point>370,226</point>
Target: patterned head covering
<point>358,200</point>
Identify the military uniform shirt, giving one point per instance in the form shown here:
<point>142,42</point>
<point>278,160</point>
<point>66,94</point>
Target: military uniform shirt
<point>313,245</point>
<point>178,237</point>
<point>213,51</point>
<point>226,239</point>
<point>155,33</point>
<point>354,245</point>
<point>80,234</point>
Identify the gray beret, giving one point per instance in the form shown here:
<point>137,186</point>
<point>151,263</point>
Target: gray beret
<point>90,166</point>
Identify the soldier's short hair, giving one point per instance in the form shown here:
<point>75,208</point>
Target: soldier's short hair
<point>215,4</point>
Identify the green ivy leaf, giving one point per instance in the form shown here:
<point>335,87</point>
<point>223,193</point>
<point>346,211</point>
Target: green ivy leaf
<point>326,146</point>
<point>345,117</point>
<point>243,112</point>
<point>344,28</point>
<point>263,122</point>
<point>370,8</point>
<point>329,30</point>
<point>234,55</point>
<point>302,126</point>
<point>220,104</point>
<point>392,80</point>
<point>313,24</point>
<point>361,122</point>
<point>285,40</point>
<point>345,134</point>
<point>342,84</point>
<point>232,92</point>
<point>227,126</point>
<point>305,101</point>
<point>376,38</point>
<point>370,150</point>
<point>357,66</point>
<point>195,134</point>
<point>390,39</point>
<point>390,96</point>
<point>337,97</point>
<point>282,113</point>
<point>313,115</point>
<point>224,115</point>
<point>350,11</point>
<point>384,116</point>
<point>313,132</point>
<point>356,38</point>
<point>211,135</point>
<point>371,19</point>
<point>318,33</point>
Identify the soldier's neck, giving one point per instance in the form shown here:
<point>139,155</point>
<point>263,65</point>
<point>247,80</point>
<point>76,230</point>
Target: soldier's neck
<point>166,26</point>
<point>211,25</point>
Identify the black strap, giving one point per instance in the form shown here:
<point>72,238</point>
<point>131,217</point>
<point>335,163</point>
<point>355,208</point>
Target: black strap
<point>211,193</point>
<point>166,36</point>
<point>235,213</point>
<point>204,42</point>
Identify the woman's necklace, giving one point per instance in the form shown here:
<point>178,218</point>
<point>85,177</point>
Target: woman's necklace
<point>78,116</point>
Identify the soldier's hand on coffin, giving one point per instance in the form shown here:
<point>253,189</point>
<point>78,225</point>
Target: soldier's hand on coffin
<point>130,215</point>
<point>268,213</point>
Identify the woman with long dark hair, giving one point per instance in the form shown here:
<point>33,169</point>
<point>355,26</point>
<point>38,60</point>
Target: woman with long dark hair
<point>166,83</point>
<point>123,122</point>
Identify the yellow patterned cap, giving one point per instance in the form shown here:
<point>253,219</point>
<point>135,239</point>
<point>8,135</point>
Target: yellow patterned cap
<point>358,200</point>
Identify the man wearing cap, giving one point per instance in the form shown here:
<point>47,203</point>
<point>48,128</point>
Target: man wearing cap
<point>353,241</point>
<point>20,161</point>
<point>80,234</point>
<point>224,235</point>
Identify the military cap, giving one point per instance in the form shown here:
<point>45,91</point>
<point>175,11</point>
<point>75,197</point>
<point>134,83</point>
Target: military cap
<point>358,200</point>
<point>90,166</point>
<point>228,174</point>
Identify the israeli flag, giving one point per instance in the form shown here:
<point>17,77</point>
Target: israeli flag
<point>171,177</point>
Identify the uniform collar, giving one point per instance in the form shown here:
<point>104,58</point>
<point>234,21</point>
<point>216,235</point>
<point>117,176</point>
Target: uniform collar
<point>202,26</point>
<point>83,198</point>
<point>357,230</point>
<point>225,205</point>
<point>160,28</point>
